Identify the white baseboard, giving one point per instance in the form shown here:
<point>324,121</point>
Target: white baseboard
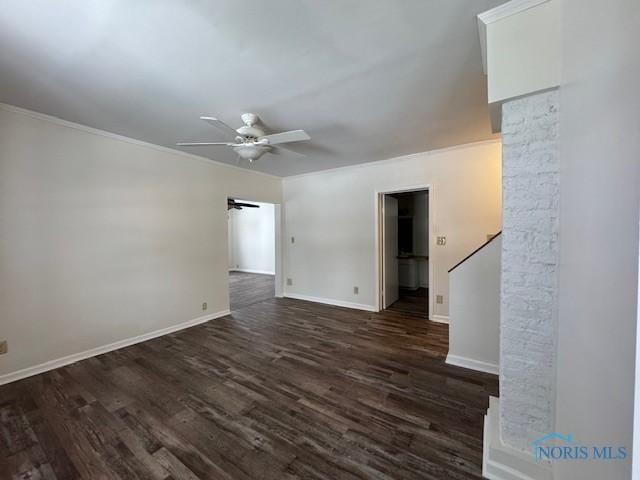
<point>501,462</point>
<point>61,362</point>
<point>246,270</point>
<point>328,301</point>
<point>440,318</point>
<point>473,364</point>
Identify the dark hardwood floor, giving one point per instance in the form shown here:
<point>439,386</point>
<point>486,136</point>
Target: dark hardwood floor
<point>412,302</point>
<point>248,288</point>
<point>280,389</point>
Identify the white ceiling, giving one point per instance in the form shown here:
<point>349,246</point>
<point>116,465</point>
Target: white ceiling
<point>367,79</point>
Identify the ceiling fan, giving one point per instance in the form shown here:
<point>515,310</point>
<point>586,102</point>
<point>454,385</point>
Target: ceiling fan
<point>250,141</point>
<point>231,203</point>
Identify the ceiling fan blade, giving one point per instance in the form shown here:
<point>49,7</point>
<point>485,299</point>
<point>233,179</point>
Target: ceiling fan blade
<point>216,122</point>
<point>285,137</point>
<point>285,151</point>
<point>203,144</point>
<point>233,203</point>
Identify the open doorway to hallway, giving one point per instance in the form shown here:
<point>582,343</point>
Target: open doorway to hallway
<point>252,252</point>
<point>405,252</point>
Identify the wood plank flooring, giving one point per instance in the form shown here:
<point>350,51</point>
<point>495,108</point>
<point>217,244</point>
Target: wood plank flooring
<point>280,389</point>
<point>248,288</point>
<point>412,302</point>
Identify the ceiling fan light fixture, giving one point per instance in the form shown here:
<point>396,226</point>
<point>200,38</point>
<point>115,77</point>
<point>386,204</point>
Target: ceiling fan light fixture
<point>251,151</point>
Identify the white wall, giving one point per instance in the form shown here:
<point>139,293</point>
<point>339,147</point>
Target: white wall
<point>104,238</point>
<point>252,234</point>
<point>331,214</point>
<point>600,199</point>
<point>522,51</point>
<point>474,332</point>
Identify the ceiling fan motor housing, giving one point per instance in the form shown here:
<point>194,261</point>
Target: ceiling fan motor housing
<point>250,132</point>
<point>249,119</point>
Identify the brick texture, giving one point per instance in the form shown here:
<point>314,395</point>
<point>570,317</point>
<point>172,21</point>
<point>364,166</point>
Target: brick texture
<point>530,176</point>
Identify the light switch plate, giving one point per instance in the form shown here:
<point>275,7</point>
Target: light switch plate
<point>356,290</point>
<point>3,347</point>
<point>289,281</point>
<point>441,240</point>
<point>439,299</point>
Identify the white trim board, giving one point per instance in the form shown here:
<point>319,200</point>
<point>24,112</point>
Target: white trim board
<point>499,13</point>
<point>440,318</point>
<point>507,9</point>
<point>76,357</point>
<point>329,301</point>
<point>501,462</point>
<point>247,270</point>
<point>472,364</point>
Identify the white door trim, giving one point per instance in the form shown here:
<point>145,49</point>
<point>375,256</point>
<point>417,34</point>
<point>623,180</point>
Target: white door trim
<point>279,219</point>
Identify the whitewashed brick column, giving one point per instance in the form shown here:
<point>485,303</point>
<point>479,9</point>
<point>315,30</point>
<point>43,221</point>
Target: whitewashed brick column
<point>530,182</point>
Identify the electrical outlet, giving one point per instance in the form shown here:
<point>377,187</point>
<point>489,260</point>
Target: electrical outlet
<point>441,240</point>
<point>356,290</point>
<point>204,305</point>
<point>289,281</point>
<point>293,239</point>
<point>3,347</point>
<point>439,299</point>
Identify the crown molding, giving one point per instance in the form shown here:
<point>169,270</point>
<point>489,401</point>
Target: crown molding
<point>409,156</point>
<point>114,136</point>
<point>507,9</point>
<point>498,13</point>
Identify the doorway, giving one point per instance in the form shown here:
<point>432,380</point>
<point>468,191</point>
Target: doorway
<point>252,252</point>
<point>404,251</point>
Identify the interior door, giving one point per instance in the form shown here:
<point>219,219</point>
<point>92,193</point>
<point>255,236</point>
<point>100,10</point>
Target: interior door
<point>391,289</point>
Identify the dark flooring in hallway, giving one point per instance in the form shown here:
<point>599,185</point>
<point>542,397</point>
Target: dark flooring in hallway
<point>279,389</point>
<point>412,302</point>
<point>248,288</point>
